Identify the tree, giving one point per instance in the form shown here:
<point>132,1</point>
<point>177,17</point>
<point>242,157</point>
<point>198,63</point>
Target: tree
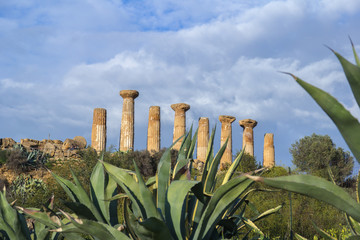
<point>313,154</point>
<point>248,163</point>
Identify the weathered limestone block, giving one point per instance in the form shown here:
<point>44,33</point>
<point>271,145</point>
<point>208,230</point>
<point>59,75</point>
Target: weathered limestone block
<point>226,133</point>
<point>80,141</point>
<point>248,135</point>
<point>30,144</point>
<point>153,134</point>
<point>6,143</point>
<point>98,133</point>
<point>127,120</point>
<point>69,144</point>
<point>269,151</point>
<point>179,122</point>
<point>203,139</point>
<point>57,141</point>
<point>50,149</point>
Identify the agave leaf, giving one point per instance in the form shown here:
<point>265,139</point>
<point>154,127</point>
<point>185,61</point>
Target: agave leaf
<point>267,213</point>
<point>299,237</point>
<point>10,220</point>
<point>144,230</point>
<point>163,179</point>
<point>146,196</point>
<point>355,54</point>
<point>352,73</point>
<point>151,181</point>
<point>129,185</point>
<point>317,188</point>
<point>348,126</point>
<point>354,225</point>
<point>185,145</point>
<point>323,234</point>
<point>193,143</point>
<point>96,229</point>
<point>97,190</point>
<point>40,217</point>
<point>210,178</point>
<point>175,211</point>
<point>158,229</point>
<point>223,197</point>
<point>252,226</point>
<point>233,167</point>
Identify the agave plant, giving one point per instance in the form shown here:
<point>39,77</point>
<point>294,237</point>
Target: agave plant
<point>13,224</point>
<point>169,205</point>
<point>349,127</point>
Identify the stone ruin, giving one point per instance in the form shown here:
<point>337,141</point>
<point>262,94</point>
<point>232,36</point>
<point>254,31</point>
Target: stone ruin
<point>153,134</point>
<point>69,148</point>
<point>56,149</point>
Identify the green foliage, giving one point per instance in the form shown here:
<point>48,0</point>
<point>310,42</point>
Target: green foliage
<point>20,160</point>
<point>248,163</point>
<point>168,206</point>
<point>25,187</point>
<point>314,154</point>
<point>349,127</point>
<point>4,154</point>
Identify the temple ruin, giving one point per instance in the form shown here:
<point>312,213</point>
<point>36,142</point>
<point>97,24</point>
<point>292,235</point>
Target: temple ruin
<point>226,135</point>
<point>70,147</point>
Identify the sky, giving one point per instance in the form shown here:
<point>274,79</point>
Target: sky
<point>61,59</point>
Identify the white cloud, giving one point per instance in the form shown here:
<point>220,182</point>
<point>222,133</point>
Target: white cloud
<point>10,83</point>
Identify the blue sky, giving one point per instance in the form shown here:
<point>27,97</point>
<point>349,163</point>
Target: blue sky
<point>61,59</point>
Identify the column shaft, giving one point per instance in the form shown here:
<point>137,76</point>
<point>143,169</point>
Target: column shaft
<point>226,133</point>
<point>127,120</point>
<point>203,139</point>
<point>153,135</point>
<point>269,151</point>
<point>98,133</point>
<point>179,122</point>
<point>248,135</point>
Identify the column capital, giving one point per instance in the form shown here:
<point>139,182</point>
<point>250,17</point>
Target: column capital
<point>226,119</point>
<point>248,123</point>
<point>180,106</point>
<point>129,94</point>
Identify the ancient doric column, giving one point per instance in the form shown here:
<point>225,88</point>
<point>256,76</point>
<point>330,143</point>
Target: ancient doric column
<point>248,135</point>
<point>98,133</point>
<point>226,133</point>
<point>179,122</point>
<point>269,151</point>
<point>203,139</point>
<point>153,135</point>
<point>127,120</point>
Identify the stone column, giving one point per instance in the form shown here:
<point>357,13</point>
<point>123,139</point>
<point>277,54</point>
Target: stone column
<point>153,135</point>
<point>248,135</point>
<point>98,133</point>
<point>203,139</point>
<point>269,151</point>
<point>226,133</point>
<point>179,122</point>
<point>127,120</point>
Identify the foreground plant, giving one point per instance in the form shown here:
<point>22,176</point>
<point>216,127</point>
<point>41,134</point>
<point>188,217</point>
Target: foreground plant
<point>349,127</point>
<point>169,205</point>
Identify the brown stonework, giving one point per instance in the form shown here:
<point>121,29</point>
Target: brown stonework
<point>80,141</point>
<point>153,134</point>
<point>226,133</point>
<point>203,139</point>
<point>127,120</point>
<point>248,135</point>
<point>6,143</point>
<point>269,151</point>
<point>98,132</point>
<point>179,122</point>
